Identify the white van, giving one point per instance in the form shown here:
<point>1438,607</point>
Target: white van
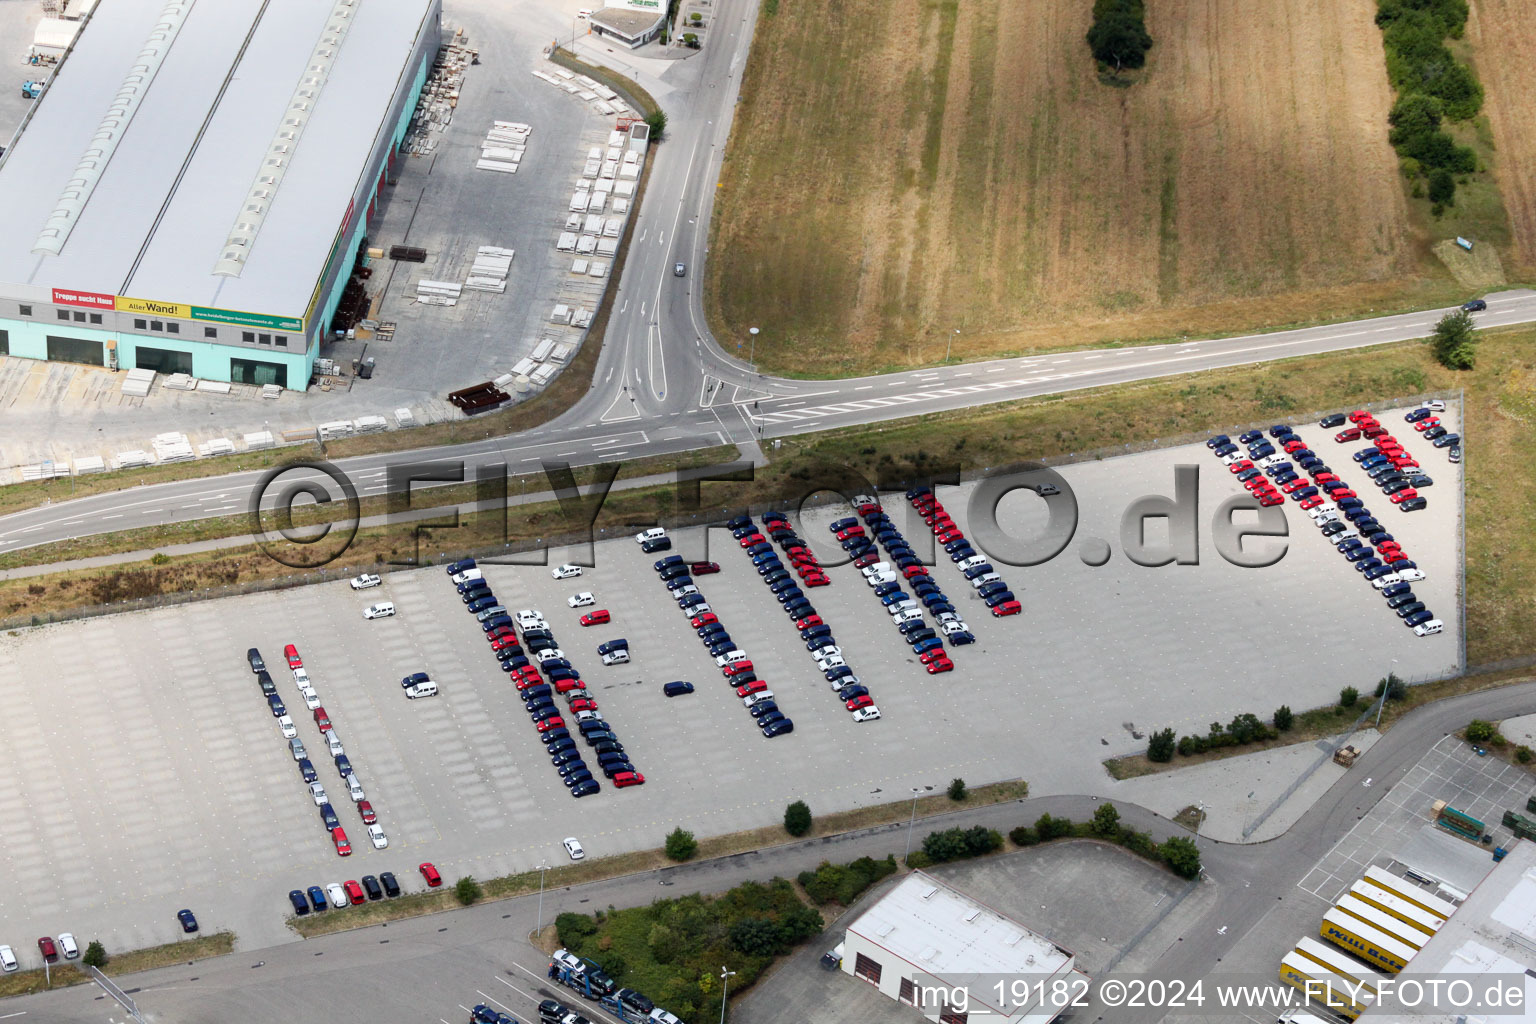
<point>1410,575</point>
<point>68,947</point>
<point>355,787</point>
<point>730,656</point>
<point>752,699</point>
<point>334,742</point>
<point>382,610</point>
<point>529,618</point>
<point>880,579</point>
<point>966,563</point>
<point>581,600</point>
<point>467,575</point>
<point>653,534</point>
<point>1429,628</point>
<point>8,959</point>
<point>618,657</point>
<point>877,569</point>
<point>984,579</point>
<point>426,689</point>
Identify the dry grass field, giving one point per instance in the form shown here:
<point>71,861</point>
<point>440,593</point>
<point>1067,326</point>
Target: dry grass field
<point>900,171</point>
<point>1502,34</point>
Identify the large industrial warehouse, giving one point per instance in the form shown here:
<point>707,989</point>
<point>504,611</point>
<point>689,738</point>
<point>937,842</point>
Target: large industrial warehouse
<point>189,193</point>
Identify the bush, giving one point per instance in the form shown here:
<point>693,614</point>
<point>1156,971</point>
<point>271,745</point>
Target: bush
<point>1283,718</point>
<point>1181,856</point>
<point>1118,36</point>
<point>1138,842</point>
<point>1393,687</point>
<point>1161,746</point>
<point>960,843</point>
<point>757,936</point>
<point>1523,754</point>
<point>1442,188</point>
<point>918,859</point>
<point>572,928</point>
<point>95,955</point>
<point>681,845</point>
<point>844,883</point>
<point>797,818</point>
<point>1050,828</point>
<point>467,890</point>
<point>957,790</point>
<point>1348,697</point>
<point>1106,821</point>
<point>657,120</point>
<point>1479,731</point>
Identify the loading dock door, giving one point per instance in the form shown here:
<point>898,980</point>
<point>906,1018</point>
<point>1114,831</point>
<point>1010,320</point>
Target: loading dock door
<point>864,967</point>
<point>76,350</point>
<point>254,371</point>
<point>162,360</point>
<point>908,992</point>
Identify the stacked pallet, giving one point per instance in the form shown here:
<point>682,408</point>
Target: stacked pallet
<point>90,464</point>
<point>260,439</point>
<point>439,95</point>
<point>135,459</point>
<point>271,391</point>
<point>217,446</point>
<point>172,447</point>
<point>503,147</point>
<point>138,382</point>
<point>181,382</point>
<point>368,424</point>
<point>213,387</point>
<point>438,293</point>
<point>490,269</point>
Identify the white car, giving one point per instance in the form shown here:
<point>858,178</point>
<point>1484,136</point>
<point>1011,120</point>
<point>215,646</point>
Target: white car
<point>581,600</point>
<point>364,581</point>
<point>589,716</point>
<point>300,677</point>
<point>1227,460</point>
<point>685,591</point>
<point>1429,628</point>
<point>831,661</point>
<point>966,563</point>
<point>952,626</point>
<point>311,698</point>
<point>573,847</point>
<point>1436,405</point>
<point>906,615</point>
<point>655,533</point>
<point>868,714</point>
<point>355,788</point>
<point>333,743</point>
<point>549,655</point>
<point>382,610</point>
<point>757,698</point>
<point>567,959</point>
<point>1410,575</point>
<point>285,723</point>
<point>336,894</point>
<point>68,946</point>
<point>984,579</point>
<point>883,578</point>
<point>696,610</point>
<point>838,684</point>
<point>377,837</point>
<point>730,657</point>
<point>8,959</point>
<point>528,618</point>
<point>566,571</point>
<point>830,651</point>
<point>317,794</point>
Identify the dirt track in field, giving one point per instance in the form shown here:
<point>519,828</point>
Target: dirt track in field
<point>903,170</point>
<point>1503,36</point>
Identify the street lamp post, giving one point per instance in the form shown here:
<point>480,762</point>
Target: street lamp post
<point>543,867</point>
<point>917,791</point>
<point>1386,688</point>
<point>752,355</point>
<point>949,344</point>
<point>725,987</point>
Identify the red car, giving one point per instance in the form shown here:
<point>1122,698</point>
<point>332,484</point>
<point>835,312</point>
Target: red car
<point>501,643</point>
<point>1358,415</point>
<point>354,892</point>
<point>863,561</point>
<point>736,668</point>
<point>1343,436</point>
<point>816,580</point>
<point>1239,466</point>
<point>1423,425</point>
<point>753,687</point>
<point>1383,550</point>
<point>339,837</point>
<point>292,654</point>
<point>596,618</point>
<point>752,538</point>
<point>914,571</point>
<point>322,720</point>
<point>1007,608</point>
<point>366,810</point>
<point>948,535</point>
<point>1394,556</point>
<point>809,621</point>
<point>704,568</point>
<point>567,685</point>
<point>859,702</point>
<point>430,874</point>
<point>1271,499</point>
<point>499,632</point>
<point>623,779</point>
<point>551,723</point>
<point>1293,444</point>
<point>46,947</point>
<point>1403,495</point>
<point>868,507</point>
<point>1295,485</point>
<point>1342,492</point>
<point>1373,432</point>
<point>931,656</point>
<point>844,534</point>
<point>703,620</point>
<point>1308,504</point>
<point>1324,477</point>
<point>944,664</point>
<point>583,704</point>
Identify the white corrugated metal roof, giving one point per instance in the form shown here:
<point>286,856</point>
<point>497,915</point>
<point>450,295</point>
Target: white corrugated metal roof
<point>183,165</point>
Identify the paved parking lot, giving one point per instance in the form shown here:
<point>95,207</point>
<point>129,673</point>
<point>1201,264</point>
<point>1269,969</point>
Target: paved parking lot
<point>147,773</point>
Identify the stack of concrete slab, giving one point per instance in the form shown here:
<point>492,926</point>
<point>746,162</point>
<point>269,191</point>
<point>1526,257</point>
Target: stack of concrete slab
<point>336,428</point>
<point>503,147</point>
<point>369,424</point>
<point>217,446</point>
<point>172,447</point>
<point>260,439</point>
<point>490,269</point>
<point>272,391</point>
<point>135,459</point>
<point>44,471</point>
<point>597,268</point>
<point>438,293</point>
<point>561,352</point>
<point>181,382</point>
<point>213,387</point>
<point>138,382</point>
<point>90,464</point>
<point>405,418</point>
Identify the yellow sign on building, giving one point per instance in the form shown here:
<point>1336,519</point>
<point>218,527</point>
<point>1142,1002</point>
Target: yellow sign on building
<point>153,308</point>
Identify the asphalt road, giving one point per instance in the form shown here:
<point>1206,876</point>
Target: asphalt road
<point>432,967</point>
<point>663,384</point>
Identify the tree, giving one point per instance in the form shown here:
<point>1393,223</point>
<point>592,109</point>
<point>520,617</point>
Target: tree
<point>1283,718</point>
<point>1023,835</point>
<point>681,845</point>
<point>1106,820</point>
<point>1119,38</point>
<point>1442,187</point>
<point>1414,114</point>
<point>657,119</point>
<point>573,927</point>
<point>1392,687</point>
<point>1348,696</point>
<point>957,790</point>
<point>797,818</point>
<point>756,936</point>
<point>949,844</point>
<point>1181,856</point>
<point>1479,731</point>
<point>1160,746</point>
<point>799,923</point>
<point>95,955</point>
<point>1454,346</point>
<point>468,890</point>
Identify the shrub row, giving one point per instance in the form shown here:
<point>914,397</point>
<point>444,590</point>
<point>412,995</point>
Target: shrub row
<point>844,883</point>
<point>1178,853</point>
<point>1118,36</point>
<point>1432,86</point>
<point>955,844</point>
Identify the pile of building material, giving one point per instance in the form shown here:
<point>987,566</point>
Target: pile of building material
<point>135,459</point>
<point>217,446</point>
<point>259,440</point>
<point>603,99</point>
<point>503,147</point>
<point>172,447</point>
<point>439,95</point>
<point>438,293</point>
<point>180,382</point>
<point>213,387</point>
<point>138,382</point>
<point>272,391</point>
<point>368,424</point>
<point>90,464</point>
<point>337,428</point>
<point>405,417</point>
<point>490,269</point>
<point>44,471</point>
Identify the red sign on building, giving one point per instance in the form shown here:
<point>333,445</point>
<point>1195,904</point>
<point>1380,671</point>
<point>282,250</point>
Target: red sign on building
<point>91,300</point>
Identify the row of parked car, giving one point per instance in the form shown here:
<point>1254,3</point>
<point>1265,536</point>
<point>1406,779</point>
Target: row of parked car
<point>334,749</point>
<point>352,893</point>
<point>1427,423</point>
<point>989,586</point>
<point>1386,461</point>
<point>733,662</point>
<point>882,577</point>
<point>804,560</point>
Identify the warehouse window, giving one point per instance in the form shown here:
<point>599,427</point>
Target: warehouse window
<point>76,350</point>
<point>63,314</point>
<point>864,967</point>
<point>162,360</point>
<point>157,325</point>
<point>25,310</point>
<point>281,339</point>
<point>210,332</point>
<point>248,336</point>
<point>951,1016</point>
<point>265,339</point>
<point>173,328</point>
<point>5,343</point>
<point>908,993</point>
<point>79,317</point>
<point>251,371</point>
<point>140,325</point>
<point>95,318</point>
